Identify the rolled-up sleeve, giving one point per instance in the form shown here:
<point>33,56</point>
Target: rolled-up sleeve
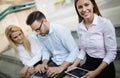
<point>82,54</point>
<point>33,61</point>
<point>70,44</point>
<point>110,42</point>
<point>45,53</point>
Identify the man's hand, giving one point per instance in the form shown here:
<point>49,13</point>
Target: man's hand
<point>53,71</point>
<point>41,68</point>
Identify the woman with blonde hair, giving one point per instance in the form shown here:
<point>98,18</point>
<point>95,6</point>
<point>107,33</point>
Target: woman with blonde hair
<point>28,49</point>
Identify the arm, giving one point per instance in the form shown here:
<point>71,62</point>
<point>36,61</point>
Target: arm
<point>57,69</point>
<point>110,48</point>
<point>72,51</point>
<point>45,52</point>
<point>64,65</point>
<point>101,67</point>
<point>80,57</point>
<point>67,40</point>
<point>75,64</point>
<point>93,74</point>
<point>36,52</point>
<point>110,42</point>
<point>45,58</point>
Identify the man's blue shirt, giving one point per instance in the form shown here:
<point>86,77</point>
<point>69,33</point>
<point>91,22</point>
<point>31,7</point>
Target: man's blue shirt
<point>59,45</point>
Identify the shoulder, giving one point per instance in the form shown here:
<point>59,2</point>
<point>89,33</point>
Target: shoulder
<point>61,31</point>
<point>59,28</point>
<point>106,24</point>
<point>104,21</point>
<point>32,37</point>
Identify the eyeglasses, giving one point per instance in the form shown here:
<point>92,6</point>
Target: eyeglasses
<point>38,29</point>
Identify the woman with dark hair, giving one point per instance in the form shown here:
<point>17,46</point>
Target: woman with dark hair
<point>28,50</point>
<point>97,41</point>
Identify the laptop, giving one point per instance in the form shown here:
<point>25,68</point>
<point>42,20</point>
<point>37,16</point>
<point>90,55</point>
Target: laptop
<point>41,75</point>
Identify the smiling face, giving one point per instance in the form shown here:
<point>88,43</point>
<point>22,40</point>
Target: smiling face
<point>17,37</point>
<point>85,9</point>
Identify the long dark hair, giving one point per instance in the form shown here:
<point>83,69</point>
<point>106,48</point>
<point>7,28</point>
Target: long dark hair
<point>95,9</point>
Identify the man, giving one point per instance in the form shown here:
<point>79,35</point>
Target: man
<point>57,44</point>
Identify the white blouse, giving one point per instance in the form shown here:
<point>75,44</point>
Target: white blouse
<point>36,52</point>
<point>99,40</point>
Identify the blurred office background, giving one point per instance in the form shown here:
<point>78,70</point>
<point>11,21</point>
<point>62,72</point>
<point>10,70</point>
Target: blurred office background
<point>56,11</point>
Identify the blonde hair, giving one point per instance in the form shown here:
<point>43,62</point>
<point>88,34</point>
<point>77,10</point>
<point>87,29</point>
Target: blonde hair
<point>26,43</point>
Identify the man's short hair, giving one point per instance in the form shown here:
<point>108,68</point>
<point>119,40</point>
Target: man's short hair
<point>35,15</point>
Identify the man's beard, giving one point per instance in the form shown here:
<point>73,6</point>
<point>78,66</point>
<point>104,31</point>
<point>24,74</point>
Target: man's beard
<point>43,34</point>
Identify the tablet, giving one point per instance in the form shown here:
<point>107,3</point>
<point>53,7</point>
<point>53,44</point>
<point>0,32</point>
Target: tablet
<point>77,72</point>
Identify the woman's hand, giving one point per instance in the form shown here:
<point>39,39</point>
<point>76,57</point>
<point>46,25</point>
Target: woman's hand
<point>91,74</point>
<point>70,67</point>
